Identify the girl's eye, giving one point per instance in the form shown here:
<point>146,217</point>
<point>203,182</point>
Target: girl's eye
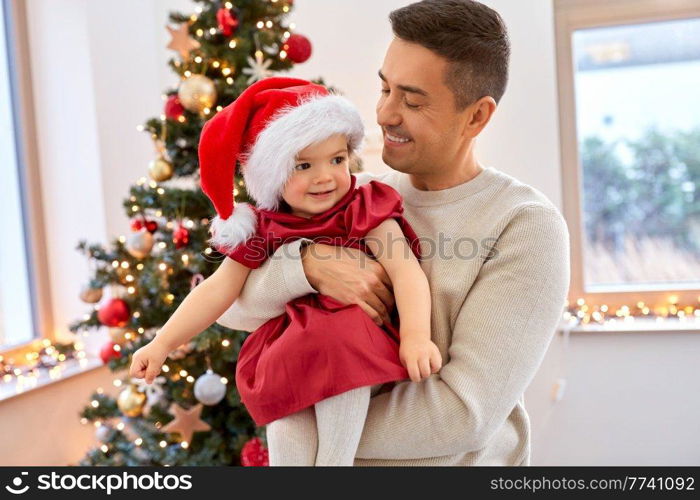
<point>302,166</point>
<point>338,160</point>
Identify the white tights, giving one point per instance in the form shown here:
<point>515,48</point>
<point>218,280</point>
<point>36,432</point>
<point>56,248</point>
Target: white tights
<point>326,434</point>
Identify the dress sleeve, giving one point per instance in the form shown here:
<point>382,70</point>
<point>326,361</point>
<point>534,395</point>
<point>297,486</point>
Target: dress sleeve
<point>374,203</point>
<point>252,253</point>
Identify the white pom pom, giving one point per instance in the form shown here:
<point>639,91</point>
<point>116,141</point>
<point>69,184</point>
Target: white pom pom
<point>227,234</point>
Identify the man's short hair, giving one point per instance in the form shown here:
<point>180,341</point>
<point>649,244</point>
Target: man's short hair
<point>470,35</point>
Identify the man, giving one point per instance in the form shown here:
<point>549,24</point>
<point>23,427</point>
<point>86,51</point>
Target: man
<point>495,252</point>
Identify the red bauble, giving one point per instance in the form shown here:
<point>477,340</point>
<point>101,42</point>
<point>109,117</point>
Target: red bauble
<point>109,351</point>
<point>174,108</point>
<point>228,23</point>
<point>298,48</point>
<point>181,237</point>
<point>137,225</point>
<point>114,313</point>
<point>254,454</point>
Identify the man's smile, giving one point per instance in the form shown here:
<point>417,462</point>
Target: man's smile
<point>394,139</point>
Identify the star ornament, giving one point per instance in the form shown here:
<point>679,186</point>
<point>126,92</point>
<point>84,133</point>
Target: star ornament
<point>186,422</point>
<point>182,41</point>
<point>258,69</point>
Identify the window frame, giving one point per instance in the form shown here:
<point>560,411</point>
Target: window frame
<point>27,161</point>
<point>569,16</point>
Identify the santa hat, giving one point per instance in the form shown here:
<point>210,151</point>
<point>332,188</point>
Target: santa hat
<point>264,129</point>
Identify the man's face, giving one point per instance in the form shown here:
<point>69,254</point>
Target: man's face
<point>423,131</point>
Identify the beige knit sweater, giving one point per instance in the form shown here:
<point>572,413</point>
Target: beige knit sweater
<point>498,268</point>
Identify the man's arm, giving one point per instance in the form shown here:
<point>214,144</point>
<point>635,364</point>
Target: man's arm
<point>499,339</point>
<point>281,279</point>
<point>268,289</point>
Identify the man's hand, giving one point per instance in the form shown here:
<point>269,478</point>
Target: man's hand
<point>420,357</point>
<point>349,276</point>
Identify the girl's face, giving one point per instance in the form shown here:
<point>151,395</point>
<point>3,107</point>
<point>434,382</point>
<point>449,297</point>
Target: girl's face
<point>321,177</point>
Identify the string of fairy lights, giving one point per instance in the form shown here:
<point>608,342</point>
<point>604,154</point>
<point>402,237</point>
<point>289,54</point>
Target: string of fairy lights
<point>582,313</point>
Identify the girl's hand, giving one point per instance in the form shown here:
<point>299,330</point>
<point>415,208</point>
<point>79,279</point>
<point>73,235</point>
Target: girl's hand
<point>147,361</point>
<point>420,357</point>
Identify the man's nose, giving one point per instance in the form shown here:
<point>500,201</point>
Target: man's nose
<point>387,113</point>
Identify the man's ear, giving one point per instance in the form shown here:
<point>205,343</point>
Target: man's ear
<point>479,114</point>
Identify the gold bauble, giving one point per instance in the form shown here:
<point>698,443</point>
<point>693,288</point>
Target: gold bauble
<point>196,93</point>
<point>90,295</point>
<point>122,274</point>
<point>140,243</point>
<point>131,401</point>
<point>160,170</point>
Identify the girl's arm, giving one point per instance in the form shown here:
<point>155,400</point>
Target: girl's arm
<point>412,293</point>
<point>202,306</point>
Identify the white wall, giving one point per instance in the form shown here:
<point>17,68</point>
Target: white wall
<point>629,397</point>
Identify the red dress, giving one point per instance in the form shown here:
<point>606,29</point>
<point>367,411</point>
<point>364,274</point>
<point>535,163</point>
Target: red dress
<point>318,347</point>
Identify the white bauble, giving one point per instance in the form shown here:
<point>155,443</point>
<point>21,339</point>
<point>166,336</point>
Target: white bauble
<point>209,389</point>
<point>103,433</point>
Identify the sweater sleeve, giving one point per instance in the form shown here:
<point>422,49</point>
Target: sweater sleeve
<point>279,280</point>
<point>268,289</point>
<point>499,338</point>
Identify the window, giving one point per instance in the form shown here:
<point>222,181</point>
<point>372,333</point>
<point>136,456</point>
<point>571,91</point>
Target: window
<point>629,74</point>
<point>22,286</point>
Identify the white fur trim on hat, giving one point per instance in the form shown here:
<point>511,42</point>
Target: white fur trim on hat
<point>227,234</point>
<point>270,162</point>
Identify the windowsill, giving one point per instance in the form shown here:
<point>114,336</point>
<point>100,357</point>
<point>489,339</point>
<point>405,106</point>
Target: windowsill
<point>637,325</point>
<point>46,377</point>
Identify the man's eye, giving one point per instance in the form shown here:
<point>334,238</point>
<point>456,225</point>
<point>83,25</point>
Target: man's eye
<point>412,106</point>
<point>385,91</point>
<point>302,166</point>
<point>338,160</point>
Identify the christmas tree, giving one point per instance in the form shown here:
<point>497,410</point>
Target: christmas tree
<point>191,414</point>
